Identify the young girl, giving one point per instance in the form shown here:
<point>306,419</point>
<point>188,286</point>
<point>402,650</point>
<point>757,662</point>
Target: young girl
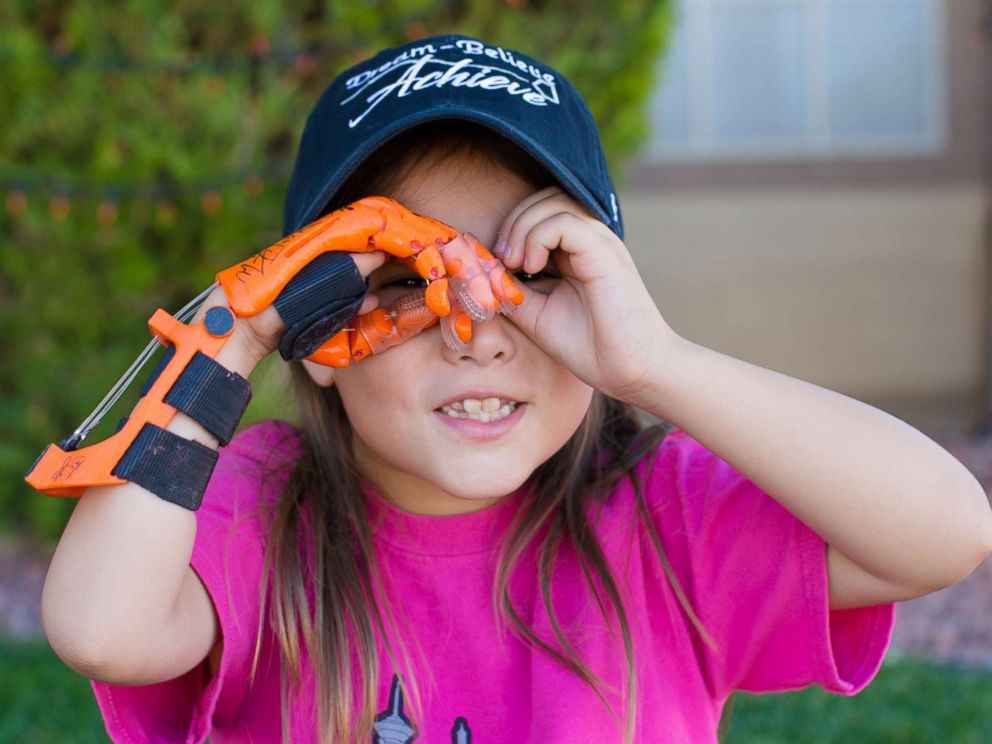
<point>550,572</point>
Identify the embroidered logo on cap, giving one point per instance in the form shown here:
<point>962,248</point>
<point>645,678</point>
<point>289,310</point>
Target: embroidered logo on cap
<point>423,70</point>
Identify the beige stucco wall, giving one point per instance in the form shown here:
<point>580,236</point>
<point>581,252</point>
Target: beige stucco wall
<point>875,292</point>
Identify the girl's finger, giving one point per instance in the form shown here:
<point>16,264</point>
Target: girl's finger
<point>538,211</point>
<point>563,262</point>
<point>370,303</point>
<point>573,235</point>
<point>511,219</point>
<point>525,315</point>
<point>525,203</point>
<point>549,234</point>
<point>369,262</point>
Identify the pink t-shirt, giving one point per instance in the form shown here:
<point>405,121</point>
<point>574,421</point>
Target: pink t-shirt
<point>755,575</point>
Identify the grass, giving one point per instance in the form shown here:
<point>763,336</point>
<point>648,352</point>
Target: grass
<point>910,701</point>
<point>42,700</point>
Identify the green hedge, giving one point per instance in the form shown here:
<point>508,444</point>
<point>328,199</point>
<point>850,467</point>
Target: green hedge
<point>145,146</point>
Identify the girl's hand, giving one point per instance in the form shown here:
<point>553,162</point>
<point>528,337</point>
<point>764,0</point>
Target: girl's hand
<point>598,319</point>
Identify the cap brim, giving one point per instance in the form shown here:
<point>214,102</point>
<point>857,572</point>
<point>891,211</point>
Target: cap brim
<point>335,180</point>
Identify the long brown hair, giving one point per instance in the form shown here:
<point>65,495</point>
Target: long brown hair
<point>319,523</point>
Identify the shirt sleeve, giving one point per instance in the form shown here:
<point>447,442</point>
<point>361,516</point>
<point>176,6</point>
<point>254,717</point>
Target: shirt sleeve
<point>757,578</point>
<point>227,556</point>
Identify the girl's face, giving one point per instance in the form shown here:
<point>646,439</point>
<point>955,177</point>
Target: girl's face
<point>402,441</point>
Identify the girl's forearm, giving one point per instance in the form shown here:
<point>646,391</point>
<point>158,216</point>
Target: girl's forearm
<point>876,489</point>
<point>119,566</point>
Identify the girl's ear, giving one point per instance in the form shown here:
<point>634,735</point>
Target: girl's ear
<point>319,373</point>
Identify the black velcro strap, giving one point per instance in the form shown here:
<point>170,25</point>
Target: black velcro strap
<point>323,297</point>
<point>171,467</point>
<point>212,395</point>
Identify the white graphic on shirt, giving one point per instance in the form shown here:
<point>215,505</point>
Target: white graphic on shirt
<point>392,726</point>
<point>423,71</point>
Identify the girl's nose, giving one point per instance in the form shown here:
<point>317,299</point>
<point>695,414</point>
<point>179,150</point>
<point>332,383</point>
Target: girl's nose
<point>491,342</point>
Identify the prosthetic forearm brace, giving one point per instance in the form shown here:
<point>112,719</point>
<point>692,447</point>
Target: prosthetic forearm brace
<point>317,291</point>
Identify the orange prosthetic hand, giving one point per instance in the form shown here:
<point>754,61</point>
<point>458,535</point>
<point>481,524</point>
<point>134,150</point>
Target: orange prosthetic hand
<point>477,286</point>
<point>297,275</point>
<point>314,291</point>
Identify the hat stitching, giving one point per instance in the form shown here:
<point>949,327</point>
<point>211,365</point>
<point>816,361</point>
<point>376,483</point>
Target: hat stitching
<point>540,93</point>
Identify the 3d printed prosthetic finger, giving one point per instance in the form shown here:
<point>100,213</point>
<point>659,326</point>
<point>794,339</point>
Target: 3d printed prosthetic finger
<point>479,280</point>
<point>479,286</point>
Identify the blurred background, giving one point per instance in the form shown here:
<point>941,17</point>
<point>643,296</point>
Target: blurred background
<point>817,186</point>
<point>804,186</point>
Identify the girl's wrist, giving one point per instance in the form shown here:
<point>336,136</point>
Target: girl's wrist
<point>242,352</point>
<point>245,348</point>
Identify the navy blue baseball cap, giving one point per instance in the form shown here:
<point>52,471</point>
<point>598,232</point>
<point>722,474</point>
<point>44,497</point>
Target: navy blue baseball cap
<point>450,76</point>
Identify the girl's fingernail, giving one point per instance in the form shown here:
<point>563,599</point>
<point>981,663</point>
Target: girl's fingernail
<point>500,248</point>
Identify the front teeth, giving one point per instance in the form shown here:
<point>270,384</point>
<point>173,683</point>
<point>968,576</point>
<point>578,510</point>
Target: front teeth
<point>489,409</point>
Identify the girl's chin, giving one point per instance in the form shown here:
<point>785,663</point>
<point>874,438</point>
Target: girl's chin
<point>481,488</point>
<point>491,493</point>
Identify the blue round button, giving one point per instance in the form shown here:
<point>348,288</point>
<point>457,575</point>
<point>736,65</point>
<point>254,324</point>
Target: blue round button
<point>219,320</point>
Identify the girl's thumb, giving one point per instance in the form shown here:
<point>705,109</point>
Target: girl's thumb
<point>525,315</point>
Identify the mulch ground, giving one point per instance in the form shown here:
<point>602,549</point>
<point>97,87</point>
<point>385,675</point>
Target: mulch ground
<point>952,626</point>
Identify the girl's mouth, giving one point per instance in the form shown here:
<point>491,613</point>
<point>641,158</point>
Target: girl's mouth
<point>498,424</point>
<point>489,409</point>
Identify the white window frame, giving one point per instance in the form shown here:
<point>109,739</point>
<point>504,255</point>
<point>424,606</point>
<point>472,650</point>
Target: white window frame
<point>817,142</point>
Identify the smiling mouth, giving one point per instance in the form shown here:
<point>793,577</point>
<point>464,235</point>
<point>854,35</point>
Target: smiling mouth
<point>491,409</point>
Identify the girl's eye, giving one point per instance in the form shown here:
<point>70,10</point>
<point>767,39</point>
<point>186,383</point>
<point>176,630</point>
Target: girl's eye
<point>416,282</point>
<point>407,282</point>
<point>534,277</point>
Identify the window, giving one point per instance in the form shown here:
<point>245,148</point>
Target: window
<point>773,79</point>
